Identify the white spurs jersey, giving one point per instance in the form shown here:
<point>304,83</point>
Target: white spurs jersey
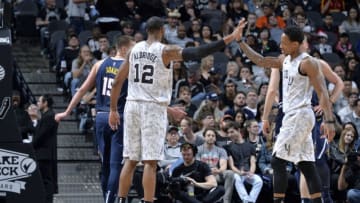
<point>297,90</point>
<point>149,79</point>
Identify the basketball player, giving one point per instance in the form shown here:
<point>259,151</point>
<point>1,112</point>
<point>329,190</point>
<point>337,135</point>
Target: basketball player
<point>110,142</point>
<point>320,143</point>
<point>148,68</point>
<point>300,75</point>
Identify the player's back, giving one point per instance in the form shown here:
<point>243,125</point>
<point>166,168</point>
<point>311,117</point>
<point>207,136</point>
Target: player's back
<point>104,79</point>
<point>149,79</point>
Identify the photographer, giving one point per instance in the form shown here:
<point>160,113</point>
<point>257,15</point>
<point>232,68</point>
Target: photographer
<point>350,177</point>
<point>192,181</point>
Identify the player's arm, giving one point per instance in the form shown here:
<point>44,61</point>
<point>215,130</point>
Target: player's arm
<point>332,77</point>
<point>271,93</point>
<point>176,53</point>
<point>258,59</point>
<point>85,87</point>
<point>311,68</point>
<point>114,118</point>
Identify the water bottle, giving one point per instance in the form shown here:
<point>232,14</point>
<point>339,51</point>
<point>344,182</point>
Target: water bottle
<point>190,190</point>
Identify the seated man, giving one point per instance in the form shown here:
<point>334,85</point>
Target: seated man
<point>243,162</point>
<point>216,158</point>
<point>172,155</point>
<point>192,181</point>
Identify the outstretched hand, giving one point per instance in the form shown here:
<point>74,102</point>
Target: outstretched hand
<point>238,31</point>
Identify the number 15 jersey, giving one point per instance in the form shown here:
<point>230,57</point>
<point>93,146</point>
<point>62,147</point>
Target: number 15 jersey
<point>104,80</point>
<point>149,79</point>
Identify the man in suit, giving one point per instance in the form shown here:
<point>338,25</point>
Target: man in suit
<point>44,143</point>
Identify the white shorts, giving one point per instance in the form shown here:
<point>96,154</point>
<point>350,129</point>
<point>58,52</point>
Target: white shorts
<point>294,142</point>
<point>145,126</point>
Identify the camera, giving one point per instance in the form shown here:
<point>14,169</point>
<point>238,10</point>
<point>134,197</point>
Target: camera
<point>352,157</point>
<point>177,183</point>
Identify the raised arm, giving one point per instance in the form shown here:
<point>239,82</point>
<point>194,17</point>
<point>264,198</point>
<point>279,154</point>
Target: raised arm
<point>114,117</point>
<point>258,59</point>
<point>85,87</point>
<point>271,93</point>
<point>332,77</point>
<point>176,53</point>
<point>311,67</point>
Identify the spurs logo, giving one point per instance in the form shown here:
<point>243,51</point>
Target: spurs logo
<point>5,106</point>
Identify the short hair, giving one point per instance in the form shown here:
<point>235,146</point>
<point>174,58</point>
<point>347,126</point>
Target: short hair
<point>184,88</point>
<point>123,40</point>
<point>295,34</point>
<point>187,146</point>
<point>47,98</point>
<point>154,23</point>
<point>234,125</point>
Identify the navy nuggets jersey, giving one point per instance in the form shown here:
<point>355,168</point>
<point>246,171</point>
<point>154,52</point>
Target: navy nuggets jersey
<point>104,80</point>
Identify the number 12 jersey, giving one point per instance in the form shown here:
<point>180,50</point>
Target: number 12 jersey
<point>149,79</point>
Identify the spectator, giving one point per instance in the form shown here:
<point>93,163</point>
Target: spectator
<point>227,97</point>
<point>206,34</point>
<point>242,161</point>
<point>201,185</point>
<point>180,39</point>
<point>189,11</point>
<point>34,113</point>
<point>343,45</point>
<point>68,54</point>
<point>171,27</point>
<point>237,10</point>
<point>186,125</point>
<point>354,115</point>
<point>328,24</point>
<point>350,178</point>
<point>232,71</point>
<point>338,154</point>
<point>205,120</point>
<point>210,103</point>
<point>22,117</point>
<point>222,137</point>
<point>80,68</point>
<point>127,28</point>
<point>172,148</point>
<point>216,158</point>
<point>268,9</point>
<point>194,30</point>
<point>251,27</point>
<point>133,14</point>
<point>267,44</point>
<point>179,72</point>
<point>352,23</point>
<point>206,64</point>
<point>185,97</point>
<point>250,109</point>
<point>274,31</point>
<point>103,49</point>
<point>323,46</point>
<point>111,12</point>
<point>332,6</point>
<point>76,12</point>
<point>212,12</point>
<point>192,80</point>
<point>349,108</point>
<point>93,41</point>
<point>240,117</point>
<point>252,136</point>
<point>47,14</point>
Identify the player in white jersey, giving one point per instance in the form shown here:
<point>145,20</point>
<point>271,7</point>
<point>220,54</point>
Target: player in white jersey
<point>149,72</point>
<point>301,73</point>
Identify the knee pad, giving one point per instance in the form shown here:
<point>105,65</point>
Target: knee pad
<point>311,175</point>
<point>279,165</point>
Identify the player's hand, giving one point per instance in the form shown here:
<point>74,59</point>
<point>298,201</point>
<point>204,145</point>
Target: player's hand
<point>318,110</point>
<point>177,113</point>
<point>238,31</point>
<point>266,127</point>
<point>60,116</point>
<point>114,120</point>
<point>328,130</point>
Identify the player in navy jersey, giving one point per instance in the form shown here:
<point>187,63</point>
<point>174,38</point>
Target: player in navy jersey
<point>109,142</point>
